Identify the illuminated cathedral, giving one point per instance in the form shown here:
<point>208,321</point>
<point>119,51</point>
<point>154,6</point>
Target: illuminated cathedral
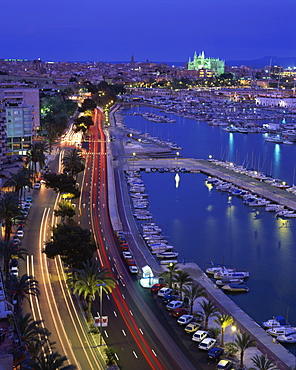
<point>212,64</point>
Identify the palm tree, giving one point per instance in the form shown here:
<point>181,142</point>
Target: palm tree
<point>182,278</point>
<point>224,321</point>
<point>33,334</point>
<point>89,282</point>
<point>49,361</point>
<point>66,209</point>
<point>192,292</point>
<point>169,274</point>
<point>36,154</point>
<point>8,211</point>
<point>263,363</point>
<point>243,342</point>
<point>208,310</point>
<point>23,287</point>
<point>18,180</point>
<point>7,250</point>
<point>73,161</point>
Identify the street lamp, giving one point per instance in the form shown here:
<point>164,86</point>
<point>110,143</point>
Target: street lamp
<point>177,154</point>
<point>101,310</point>
<point>134,158</point>
<point>233,329</point>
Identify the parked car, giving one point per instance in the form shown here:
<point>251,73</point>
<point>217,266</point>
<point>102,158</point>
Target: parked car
<point>37,185</point>
<point>131,262</point>
<point>155,288</point>
<point>215,353</point>
<point>29,199</point>
<point>127,255</point>
<point>174,304</point>
<point>133,269</point>
<point>177,312</point>
<point>224,365</point>
<point>14,271</point>
<point>192,327</point>
<point>199,335</point>
<point>14,263</point>
<point>170,297</point>
<point>124,247</point>
<point>185,319</point>
<point>207,343</point>
<point>20,233</point>
<point>163,291</point>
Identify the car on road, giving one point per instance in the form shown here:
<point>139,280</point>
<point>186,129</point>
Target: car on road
<point>185,319</point>
<point>215,353</point>
<point>133,269</point>
<point>177,312</point>
<point>163,291</point>
<point>199,335</point>
<point>127,255</point>
<point>174,304</point>
<point>155,288</point>
<point>225,365</point>
<point>207,343</point>
<point>192,327</point>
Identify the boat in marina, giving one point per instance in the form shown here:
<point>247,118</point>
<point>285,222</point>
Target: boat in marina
<point>281,330</point>
<point>168,262</point>
<point>228,281</point>
<point>232,274</point>
<point>235,288</point>
<point>276,321</point>
<point>167,255</point>
<point>215,269</point>
<point>287,338</point>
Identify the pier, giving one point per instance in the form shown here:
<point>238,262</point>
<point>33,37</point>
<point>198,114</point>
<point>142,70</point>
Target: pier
<point>272,193</point>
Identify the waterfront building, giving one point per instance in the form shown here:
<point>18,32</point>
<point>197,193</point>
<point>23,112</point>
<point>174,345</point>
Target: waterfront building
<point>22,118</point>
<point>200,62</point>
<point>276,101</point>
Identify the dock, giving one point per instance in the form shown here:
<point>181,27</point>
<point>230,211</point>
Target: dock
<point>275,195</point>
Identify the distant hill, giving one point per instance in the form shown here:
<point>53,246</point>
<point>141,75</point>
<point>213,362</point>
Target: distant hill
<point>265,61</point>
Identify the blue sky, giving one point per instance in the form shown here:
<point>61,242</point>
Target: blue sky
<point>157,30</point>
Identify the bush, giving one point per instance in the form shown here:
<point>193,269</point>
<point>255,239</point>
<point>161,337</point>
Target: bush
<point>230,349</point>
<point>214,332</point>
<point>110,353</point>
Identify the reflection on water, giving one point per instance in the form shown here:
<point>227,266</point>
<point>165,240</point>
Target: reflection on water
<point>207,225</point>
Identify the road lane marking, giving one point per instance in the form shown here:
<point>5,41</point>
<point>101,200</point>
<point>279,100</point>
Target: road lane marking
<point>123,332</point>
<point>135,354</point>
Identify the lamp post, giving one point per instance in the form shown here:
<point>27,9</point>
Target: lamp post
<point>233,329</point>
<point>177,154</point>
<point>134,157</point>
<point>101,310</point>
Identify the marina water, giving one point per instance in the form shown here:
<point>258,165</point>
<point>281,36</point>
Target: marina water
<point>206,225</point>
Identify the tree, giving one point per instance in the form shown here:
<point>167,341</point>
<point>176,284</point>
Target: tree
<point>88,280</point>
<point>88,104</point>
<point>73,161</point>
<point>208,310</point>
<point>169,274</point>
<point>263,363</point>
<point>36,154</point>
<point>9,210</point>
<point>33,334</point>
<point>72,243</point>
<point>49,361</point>
<point>84,122</point>
<point>243,342</point>
<point>7,251</point>
<point>224,321</point>
<point>18,180</point>
<point>62,183</point>
<point>66,209</point>
<point>192,292</point>
<point>182,278</point>
<point>110,354</point>
<point>23,287</point>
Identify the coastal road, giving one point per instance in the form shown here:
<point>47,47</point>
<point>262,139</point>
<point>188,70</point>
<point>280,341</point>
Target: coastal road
<point>134,330</point>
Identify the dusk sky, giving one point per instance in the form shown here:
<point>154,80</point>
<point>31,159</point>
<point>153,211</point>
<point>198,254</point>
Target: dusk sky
<point>157,30</point>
